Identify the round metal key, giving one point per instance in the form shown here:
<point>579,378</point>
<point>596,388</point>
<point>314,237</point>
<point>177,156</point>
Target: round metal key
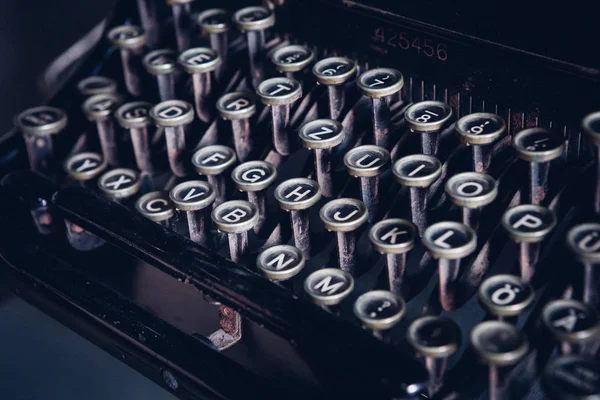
<point>279,91</point>
<point>321,134</point>
<point>498,343</point>
<point>155,206</point>
<point>393,236</point>
<point>192,195</point>
<point>427,116</point>
<point>584,242</point>
<point>471,189</point>
<point>505,295</point>
<point>480,128</point>
<point>199,60</point>
<point>417,170</point>
<point>235,216</point>
<point>254,176</point>
<point>127,37</point>
<point>93,85</point>
<point>366,161</point>
<point>328,286</point>
<point>213,160</point>
<point>528,223</point>
<point>572,378</point>
<point>433,336</point>
<point>591,126</point>
<point>571,321</point>
<point>281,262</point>
<point>41,121</point>
<point>380,82</point>
<point>85,166</point>
<point>343,215</point>
<point>449,240</point>
<point>120,183</point>
<point>159,62</point>
<point>297,194</point>
<point>172,113</point>
<point>538,145</point>
<point>379,309</point>
<point>334,70</point>
<point>101,106</point>
<point>215,20</point>
<point>134,115</point>
<point>292,58</point>
<point>255,18</point>
<point>236,105</point>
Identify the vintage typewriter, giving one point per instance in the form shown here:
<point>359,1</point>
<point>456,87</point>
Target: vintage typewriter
<point>319,199</point>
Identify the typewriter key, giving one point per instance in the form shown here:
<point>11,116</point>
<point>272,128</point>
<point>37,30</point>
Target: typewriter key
<point>83,167</point>
<point>380,85</point>
<point>505,296</point>
<point>498,344</point>
<point>200,62</point>
<point>472,191</point>
<point>345,216</point>
<point>428,118</point>
<point>449,242</point>
<point>130,40</point>
<point>327,287</point>
<point>135,117</point>
<point>162,64</point>
<point>214,161</point>
<point>572,323</point>
<point>182,22</point>
<point>436,339</point>
<point>280,263</point>
<point>37,125</point>
<point>379,310</point>
<point>394,237</point>
<point>236,218</point>
<point>538,146</point>
<point>480,131</point>
<point>280,94</point>
<point>334,72</point>
<point>292,59</point>
<point>322,135</point>
<point>120,184</point>
<point>368,162</point>
<point>591,126</point>
<point>216,23</point>
<point>238,107</point>
<point>418,172</point>
<point>100,108</point>
<point>297,196</point>
<point>254,177</point>
<point>572,378</point>
<point>194,198</point>
<point>253,21</point>
<point>93,85</point>
<point>528,225</point>
<point>157,207</point>
<point>583,240</point>
<point>173,115</point>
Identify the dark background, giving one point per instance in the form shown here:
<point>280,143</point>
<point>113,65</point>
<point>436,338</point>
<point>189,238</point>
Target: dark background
<point>39,358</point>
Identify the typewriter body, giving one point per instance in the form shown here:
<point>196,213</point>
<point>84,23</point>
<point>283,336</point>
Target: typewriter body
<point>319,199</point>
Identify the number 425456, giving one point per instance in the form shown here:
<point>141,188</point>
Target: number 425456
<point>405,41</point>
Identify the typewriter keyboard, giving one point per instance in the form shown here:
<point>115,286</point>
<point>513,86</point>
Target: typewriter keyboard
<point>344,229</point>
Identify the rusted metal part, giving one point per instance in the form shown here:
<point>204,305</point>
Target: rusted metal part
<point>238,246</point>
<point>381,121</point>
<point>369,188</point>
<point>281,117</point>
<point>197,226</point>
<point>323,166</point>
<point>131,73</point>
<point>301,230</point>
<point>203,83</point>
<point>242,137</point>
<point>175,137</point>
<point>346,244</point>
<point>448,273</point>
<point>336,99</point>
<point>108,142</point>
<point>141,148</point>
<point>418,207</point>
<point>396,265</point>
